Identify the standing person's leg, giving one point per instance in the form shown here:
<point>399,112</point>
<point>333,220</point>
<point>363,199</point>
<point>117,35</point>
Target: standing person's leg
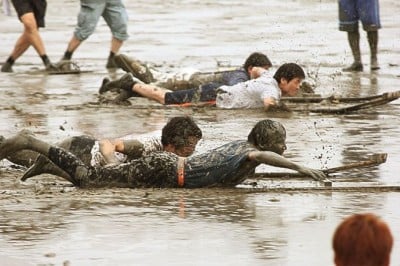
<point>369,16</point>
<point>348,21</point>
<point>115,46</point>
<point>116,18</point>
<point>88,18</point>
<point>353,38</point>
<point>32,16</point>
<point>373,45</point>
<point>20,47</point>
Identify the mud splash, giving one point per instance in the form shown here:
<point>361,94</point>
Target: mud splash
<point>46,221</point>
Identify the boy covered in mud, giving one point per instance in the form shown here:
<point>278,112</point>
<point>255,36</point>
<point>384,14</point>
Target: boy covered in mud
<point>179,136</point>
<point>263,90</point>
<point>225,166</point>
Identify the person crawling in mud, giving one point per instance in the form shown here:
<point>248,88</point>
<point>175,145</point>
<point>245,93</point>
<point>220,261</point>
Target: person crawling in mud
<point>187,78</point>
<point>181,81</point>
<point>263,90</point>
<point>225,166</point>
<point>180,136</point>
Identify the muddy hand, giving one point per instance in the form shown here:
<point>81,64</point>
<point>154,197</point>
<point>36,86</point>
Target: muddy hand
<point>315,174</point>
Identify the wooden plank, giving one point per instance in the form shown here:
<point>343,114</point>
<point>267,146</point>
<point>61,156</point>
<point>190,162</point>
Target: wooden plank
<point>339,99</point>
<point>332,109</point>
<point>373,160</point>
<point>366,188</point>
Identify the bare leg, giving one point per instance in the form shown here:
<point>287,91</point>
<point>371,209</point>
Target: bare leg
<point>116,45</point>
<point>72,46</point>
<point>21,46</point>
<point>32,33</point>
<point>150,91</point>
<point>30,36</point>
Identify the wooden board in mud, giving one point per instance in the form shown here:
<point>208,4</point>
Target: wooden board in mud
<point>311,104</point>
<point>369,187</point>
<point>337,179</point>
<point>63,68</point>
<point>338,105</point>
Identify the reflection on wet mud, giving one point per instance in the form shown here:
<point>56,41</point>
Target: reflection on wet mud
<point>45,221</point>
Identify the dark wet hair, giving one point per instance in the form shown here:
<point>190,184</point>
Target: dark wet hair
<point>177,131</point>
<point>257,59</point>
<point>264,134</point>
<point>289,71</point>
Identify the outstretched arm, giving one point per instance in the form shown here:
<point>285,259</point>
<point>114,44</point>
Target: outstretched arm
<point>277,160</point>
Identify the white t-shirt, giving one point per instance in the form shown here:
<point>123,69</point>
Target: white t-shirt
<point>249,94</point>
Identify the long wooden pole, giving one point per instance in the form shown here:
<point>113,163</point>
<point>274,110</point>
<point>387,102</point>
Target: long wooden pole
<point>374,160</point>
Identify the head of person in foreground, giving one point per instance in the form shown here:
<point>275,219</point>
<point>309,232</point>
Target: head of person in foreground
<point>268,135</point>
<point>362,239</point>
<point>180,136</point>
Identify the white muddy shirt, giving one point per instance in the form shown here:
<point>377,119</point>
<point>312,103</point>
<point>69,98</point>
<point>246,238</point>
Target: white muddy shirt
<point>249,94</point>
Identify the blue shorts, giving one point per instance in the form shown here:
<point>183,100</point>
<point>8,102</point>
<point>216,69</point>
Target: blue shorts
<point>351,11</point>
<point>113,12</point>
<point>204,93</point>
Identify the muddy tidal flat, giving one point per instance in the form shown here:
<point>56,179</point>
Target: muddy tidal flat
<point>46,221</point>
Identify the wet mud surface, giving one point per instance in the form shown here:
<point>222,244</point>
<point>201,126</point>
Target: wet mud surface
<point>46,221</point>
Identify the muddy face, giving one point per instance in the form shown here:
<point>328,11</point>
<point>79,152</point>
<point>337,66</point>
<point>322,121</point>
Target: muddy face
<point>188,148</point>
<point>278,144</point>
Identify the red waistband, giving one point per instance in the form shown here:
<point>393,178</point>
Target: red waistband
<point>181,171</point>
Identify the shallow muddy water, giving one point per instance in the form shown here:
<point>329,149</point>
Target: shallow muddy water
<point>45,221</point>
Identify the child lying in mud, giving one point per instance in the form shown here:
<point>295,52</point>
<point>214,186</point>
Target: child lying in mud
<point>188,78</point>
<point>181,81</point>
<point>225,166</point>
<point>262,90</point>
<point>180,136</point>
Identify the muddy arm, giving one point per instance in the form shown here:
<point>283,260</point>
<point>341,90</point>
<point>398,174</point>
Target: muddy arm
<point>275,159</point>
